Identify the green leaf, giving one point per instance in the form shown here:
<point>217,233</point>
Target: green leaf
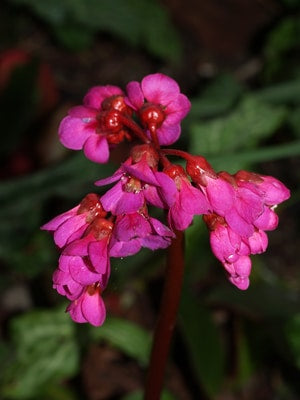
<point>235,161</point>
<point>203,343</point>
<point>45,351</point>
<point>294,121</point>
<point>127,336</point>
<point>217,98</point>
<point>261,301</point>
<point>138,22</point>
<point>138,395</point>
<point>293,336</point>
<point>249,123</point>
<point>283,38</point>
<point>287,92</point>
<point>21,199</point>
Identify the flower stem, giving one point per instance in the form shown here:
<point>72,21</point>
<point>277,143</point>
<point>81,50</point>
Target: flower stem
<point>166,319</point>
<point>134,127</point>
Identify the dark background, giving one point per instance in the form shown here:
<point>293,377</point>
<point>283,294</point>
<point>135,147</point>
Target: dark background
<point>238,61</point>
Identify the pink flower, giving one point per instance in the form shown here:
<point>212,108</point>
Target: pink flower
<point>71,225</point>
<point>96,124</point>
<point>89,306</point>
<point>189,201</point>
<point>137,184</point>
<point>134,231</point>
<point>239,272</point>
<point>226,244</point>
<point>93,245</point>
<point>159,103</point>
<point>74,273</point>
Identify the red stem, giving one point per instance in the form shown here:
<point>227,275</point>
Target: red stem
<point>175,152</point>
<point>166,319</point>
<point>135,128</point>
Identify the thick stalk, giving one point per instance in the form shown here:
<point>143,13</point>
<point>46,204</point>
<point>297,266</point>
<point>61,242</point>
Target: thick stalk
<point>166,319</point>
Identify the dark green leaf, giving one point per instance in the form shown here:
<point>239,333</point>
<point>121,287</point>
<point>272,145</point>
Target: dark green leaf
<point>287,92</point>
<point>45,351</point>
<point>293,337</point>
<point>217,98</point>
<point>249,123</point>
<point>260,301</point>
<point>126,336</point>
<point>138,395</point>
<point>203,343</point>
<point>138,22</point>
<point>235,161</point>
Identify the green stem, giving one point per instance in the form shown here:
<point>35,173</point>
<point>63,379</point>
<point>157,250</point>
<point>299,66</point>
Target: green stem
<point>166,319</point>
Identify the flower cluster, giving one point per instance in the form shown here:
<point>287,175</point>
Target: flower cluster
<point>237,209</point>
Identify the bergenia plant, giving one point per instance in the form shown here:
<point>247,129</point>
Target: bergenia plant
<point>238,209</point>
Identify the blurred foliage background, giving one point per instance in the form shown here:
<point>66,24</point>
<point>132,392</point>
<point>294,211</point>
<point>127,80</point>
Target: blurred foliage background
<point>239,62</point>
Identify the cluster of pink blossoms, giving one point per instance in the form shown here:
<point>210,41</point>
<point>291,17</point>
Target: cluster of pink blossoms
<point>237,209</point>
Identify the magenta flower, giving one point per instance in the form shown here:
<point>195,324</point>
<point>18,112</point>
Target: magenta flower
<point>89,306</point>
<point>226,244</point>
<point>134,231</point>
<point>74,273</point>
<point>93,245</point>
<point>137,184</point>
<point>96,124</point>
<point>160,105</point>
<point>188,201</point>
<point>239,271</point>
<point>71,225</point>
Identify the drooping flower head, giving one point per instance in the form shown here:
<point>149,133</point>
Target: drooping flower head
<point>96,125</point>
<point>160,106</point>
<point>72,224</point>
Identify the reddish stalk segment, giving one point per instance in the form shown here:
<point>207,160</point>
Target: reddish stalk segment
<point>135,128</point>
<point>166,319</point>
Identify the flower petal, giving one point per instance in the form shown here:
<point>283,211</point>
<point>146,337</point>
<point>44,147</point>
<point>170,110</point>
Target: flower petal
<point>97,94</point>
<point>73,132</point>
<point>93,308</point>
<point>96,149</point>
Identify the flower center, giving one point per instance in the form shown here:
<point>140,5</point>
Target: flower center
<point>92,207</point>
<point>133,185</point>
<point>152,114</point>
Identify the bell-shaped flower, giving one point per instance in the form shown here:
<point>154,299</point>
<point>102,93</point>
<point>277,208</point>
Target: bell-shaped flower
<point>72,224</point>
<point>89,306</point>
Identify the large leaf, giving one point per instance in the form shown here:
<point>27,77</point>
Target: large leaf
<point>286,92</point>
<point>238,160</point>
<point>138,395</point>
<point>21,199</point>
<point>249,123</point>
<point>260,301</point>
<point>216,98</point>
<point>127,336</point>
<point>203,343</point>
<point>45,351</point>
<point>139,22</point>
